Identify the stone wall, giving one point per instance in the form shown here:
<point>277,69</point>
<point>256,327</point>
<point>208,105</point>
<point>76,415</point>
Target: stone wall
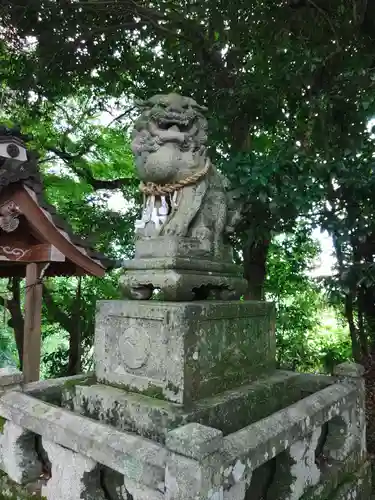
<point>313,449</point>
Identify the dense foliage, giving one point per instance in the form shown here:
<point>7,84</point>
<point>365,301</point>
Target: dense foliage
<point>308,332</point>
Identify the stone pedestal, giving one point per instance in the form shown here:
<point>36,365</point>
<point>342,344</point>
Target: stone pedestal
<point>182,269</point>
<point>183,351</point>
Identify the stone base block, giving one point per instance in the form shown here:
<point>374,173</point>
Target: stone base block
<point>180,284</point>
<point>183,351</point>
<point>177,246</point>
<point>182,269</point>
<point>153,418</point>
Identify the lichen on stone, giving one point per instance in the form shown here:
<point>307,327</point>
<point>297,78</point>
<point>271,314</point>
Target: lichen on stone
<point>2,423</point>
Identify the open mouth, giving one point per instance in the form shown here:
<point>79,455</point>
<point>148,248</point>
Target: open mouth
<point>173,123</point>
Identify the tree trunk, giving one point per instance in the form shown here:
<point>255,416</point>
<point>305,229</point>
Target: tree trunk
<point>349,315</point>
<point>16,317</point>
<point>349,299</point>
<point>255,254</point>
<point>71,323</point>
<point>366,314</point>
<point>74,366</point>
<point>55,313</point>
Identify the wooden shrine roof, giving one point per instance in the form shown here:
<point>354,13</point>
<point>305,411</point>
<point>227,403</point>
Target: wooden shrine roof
<point>30,228</point>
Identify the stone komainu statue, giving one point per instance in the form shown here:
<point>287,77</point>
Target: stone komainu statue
<point>181,248</point>
<point>184,195</point>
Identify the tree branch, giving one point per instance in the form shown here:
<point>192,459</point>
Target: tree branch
<point>179,27</point>
<point>121,116</point>
<point>85,174</point>
<point>324,13</point>
<point>54,311</point>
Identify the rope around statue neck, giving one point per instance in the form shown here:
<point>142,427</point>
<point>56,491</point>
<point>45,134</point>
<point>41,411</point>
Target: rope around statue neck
<point>152,189</point>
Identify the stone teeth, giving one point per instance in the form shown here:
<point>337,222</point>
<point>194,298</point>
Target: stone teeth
<point>174,128</point>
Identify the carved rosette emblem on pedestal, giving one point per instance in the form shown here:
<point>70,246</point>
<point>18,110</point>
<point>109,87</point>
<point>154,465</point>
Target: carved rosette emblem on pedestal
<point>134,347</point>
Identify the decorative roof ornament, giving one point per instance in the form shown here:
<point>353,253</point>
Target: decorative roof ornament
<point>20,178</point>
<point>17,163</point>
<point>12,145</point>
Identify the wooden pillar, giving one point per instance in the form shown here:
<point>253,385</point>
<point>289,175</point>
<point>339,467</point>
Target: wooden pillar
<point>33,316</point>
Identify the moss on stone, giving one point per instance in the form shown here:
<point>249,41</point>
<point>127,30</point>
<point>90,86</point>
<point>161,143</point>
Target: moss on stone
<point>9,490</point>
<point>338,476</point>
<point>152,391</point>
<point>173,388</point>
<point>228,411</point>
<point>71,384</point>
<point>232,368</point>
<point>2,423</point>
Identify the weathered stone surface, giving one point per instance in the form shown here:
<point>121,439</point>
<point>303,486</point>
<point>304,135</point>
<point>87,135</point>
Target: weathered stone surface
<point>352,374</point>
<point>57,391</point>
<point>183,351</point>
<point>194,465</point>
<point>185,198</point>
<point>186,478</point>
<point>341,436</point>
<point>131,412</point>
<point>228,411</point>
<point>183,279</point>
<point>10,379</point>
<point>310,383</point>
<point>169,246</point>
<point>119,451</point>
<point>18,454</point>
<point>73,475</point>
<point>296,470</point>
<point>187,373</point>
<point>141,492</point>
<point>349,369</point>
<point>185,264</point>
<point>356,487</point>
<point>260,442</point>
<point>194,441</point>
<point>53,386</point>
<point>349,480</point>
